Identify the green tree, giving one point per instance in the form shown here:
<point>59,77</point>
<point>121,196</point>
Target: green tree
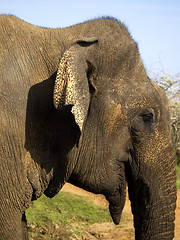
<point>171,85</point>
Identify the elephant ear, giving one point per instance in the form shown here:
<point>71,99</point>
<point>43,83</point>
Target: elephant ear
<point>71,85</point>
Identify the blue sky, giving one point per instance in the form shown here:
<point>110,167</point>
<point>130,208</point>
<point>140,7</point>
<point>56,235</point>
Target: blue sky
<point>155,25</point>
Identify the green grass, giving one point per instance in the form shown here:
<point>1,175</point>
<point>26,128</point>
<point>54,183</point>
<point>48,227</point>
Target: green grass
<point>67,210</point>
<point>178,176</point>
<point>64,207</point>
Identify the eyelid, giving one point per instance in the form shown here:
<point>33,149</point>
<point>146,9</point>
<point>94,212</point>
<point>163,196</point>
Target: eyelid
<point>147,116</point>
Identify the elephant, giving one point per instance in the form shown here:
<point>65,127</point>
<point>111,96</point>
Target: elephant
<point>77,106</point>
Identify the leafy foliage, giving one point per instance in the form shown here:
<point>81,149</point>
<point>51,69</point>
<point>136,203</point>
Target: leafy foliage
<point>171,85</point>
<point>167,83</point>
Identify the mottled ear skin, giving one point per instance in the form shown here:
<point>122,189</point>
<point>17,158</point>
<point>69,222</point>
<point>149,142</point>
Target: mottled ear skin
<point>71,85</point>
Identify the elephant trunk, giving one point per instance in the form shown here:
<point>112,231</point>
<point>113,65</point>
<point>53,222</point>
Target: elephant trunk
<point>152,191</point>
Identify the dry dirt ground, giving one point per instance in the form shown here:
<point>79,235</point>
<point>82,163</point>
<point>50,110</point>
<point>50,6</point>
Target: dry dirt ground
<point>106,231</point>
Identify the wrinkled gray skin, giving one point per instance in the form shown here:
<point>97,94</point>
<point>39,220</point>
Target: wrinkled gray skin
<point>77,105</point>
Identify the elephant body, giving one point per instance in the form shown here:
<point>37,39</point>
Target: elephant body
<point>76,105</point>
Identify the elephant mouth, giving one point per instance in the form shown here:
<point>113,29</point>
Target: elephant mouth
<point>116,205</point>
<point>117,200</point>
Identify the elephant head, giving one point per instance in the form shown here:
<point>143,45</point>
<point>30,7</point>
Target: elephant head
<point>124,133</point>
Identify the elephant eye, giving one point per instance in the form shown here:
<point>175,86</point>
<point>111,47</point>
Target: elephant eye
<point>148,117</point>
<point>143,123</point>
